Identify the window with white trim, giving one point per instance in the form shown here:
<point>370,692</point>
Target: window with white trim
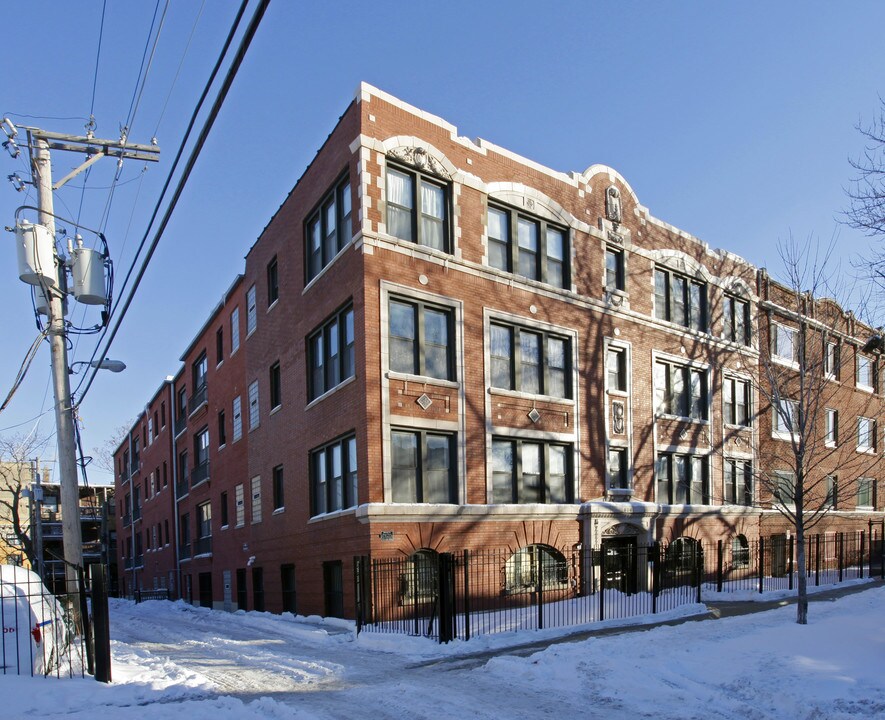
<point>682,479</point>
<point>866,434</point>
<point>618,468</point>
<point>831,438</point>
<point>531,471</point>
<point>738,482</point>
<point>866,493</point>
<point>680,299</point>
<point>736,320</point>
<point>251,311</point>
<point>256,499</point>
<point>333,476</point>
<point>530,361</point>
<point>528,245</point>
<point>328,229</point>
<point>736,401</point>
<point>786,417</point>
<point>240,505</point>
<point>234,330</point>
<point>866,372</point>
<point>423,468</point>
<point>417,208</point>
<point>421,339</point>
<point>254,417</point>
<point>331,353</point>
<point>238,418</point>
<point>784,487</point>
<point>784,343</point>
<point>681,390</point>
<point>831,359</point>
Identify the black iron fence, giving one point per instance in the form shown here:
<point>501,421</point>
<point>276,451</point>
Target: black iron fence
<point>772,563</point>
<point>447,596</point>
<point>60,634</point>
<point>460,595</point>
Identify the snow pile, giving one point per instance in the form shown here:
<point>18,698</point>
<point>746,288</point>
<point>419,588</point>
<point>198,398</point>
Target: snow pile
<point>173,661</point>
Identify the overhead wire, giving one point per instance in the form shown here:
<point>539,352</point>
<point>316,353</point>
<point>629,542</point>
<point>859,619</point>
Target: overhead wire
<point>237,61</point>
<point>23,368</point>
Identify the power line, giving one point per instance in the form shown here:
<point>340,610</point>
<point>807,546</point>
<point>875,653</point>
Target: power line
<point>222,94</point>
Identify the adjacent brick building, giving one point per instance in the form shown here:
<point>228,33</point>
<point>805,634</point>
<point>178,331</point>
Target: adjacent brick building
<point>439,345</point>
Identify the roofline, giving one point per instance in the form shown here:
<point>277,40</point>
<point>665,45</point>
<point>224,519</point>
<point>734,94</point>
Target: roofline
<point>214,314</point>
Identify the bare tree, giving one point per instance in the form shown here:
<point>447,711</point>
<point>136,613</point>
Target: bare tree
<point>103,456</point>
<point>16,476</point>
<point>799,359</point>
<point>866,194</point>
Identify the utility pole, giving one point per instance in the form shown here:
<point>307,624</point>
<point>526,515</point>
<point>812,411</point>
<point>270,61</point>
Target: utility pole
<point>40,142</point>
<point>37,528</point>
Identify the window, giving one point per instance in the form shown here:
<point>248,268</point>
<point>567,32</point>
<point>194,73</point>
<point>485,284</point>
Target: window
<point>866,493</point>
<point>256,500</point>
<point>738,482</point>
<point>420,582</point>
<point>182,404</point>
<point>328,229</point>
<point>276,391</point>
<point>528,246</point>
<point>832,436</point>
<point>421,339</point>
<point>253,405</point>
<point>740,552</point>
<point>201,457</point>
<point>240,505</point>
<point>526,471</point>
<point>786,417</point>
<point>832,497</point>
<point>616,368</point>
<point>529,361</point>
<point>287,586</point>
<point>784,343</point>
<point>333,476</point>
<point>150,430</point>
<point>224,510</point>
<point>238,418</point>
<point>522,568</point>
<point>166,528</point>
<point>198,372</point>
<point>831,359</point>
<point>736,320</point>
<point>681,390</point>
<point>680,300</point>
<point>165,475</point>
<point>417,209</point>
<point>183,473</point>
<point>422,467</point>
<point>784,487</point>
<point>204,524</point>
<point>618,469</point>
<point>331,350</point>
<point>234,330</point>
<point>219,346</point>
<point>184,531</point>
<point>682,479</point>
<point>222,431</point>
<point>162,414</point>
<point>866,373</point>
<point>251,311</point>
<point>736,401</point>
<point>279,501</point>
<point>866,434</point>
<point>614,269</point>
<point>273,282</point>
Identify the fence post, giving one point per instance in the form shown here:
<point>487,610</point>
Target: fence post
<point>466,594</point>
<point>102,634</point>
<point>882,551</point>
<point>841,539</point>
<point>790,556</point>
<point>870,574</point>
<point>699,570</point>
<point>862,548</point>
<point>539,588</point>
<point>602,582</point>
<point>719,566</point>
<point>360,563</point>
<point>761,563</point>
<point>655,575</point>
<point>817,560</point>
<point>86,622</point>
<point>446,597</point>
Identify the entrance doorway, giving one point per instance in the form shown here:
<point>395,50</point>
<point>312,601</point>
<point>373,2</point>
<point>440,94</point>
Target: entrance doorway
<point>619,561</point>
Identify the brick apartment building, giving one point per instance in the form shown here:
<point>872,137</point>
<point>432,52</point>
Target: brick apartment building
<point>439,345</point>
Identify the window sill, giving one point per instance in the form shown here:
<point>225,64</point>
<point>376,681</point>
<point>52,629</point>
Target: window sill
<point>618,393</point>
<point>272,306</point>
<point>315,278</point>
<point>279,510</point>
<point>224,527</point>
<point>275,410</point>
<point>785,362</point>
<point>681,418</point>
<point>222,446</point>
<point>219,364</point>
<point>738,426</point>
<point>865,508</point>
<point>866,450</point>
<point>424,379</point>
<point>326,394</point>
<point>777,435</point>
<point>251,332</point>
<point>831,445</point>
<point>530,396</point>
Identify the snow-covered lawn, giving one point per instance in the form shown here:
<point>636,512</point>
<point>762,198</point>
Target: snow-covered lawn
<point>175,661</point>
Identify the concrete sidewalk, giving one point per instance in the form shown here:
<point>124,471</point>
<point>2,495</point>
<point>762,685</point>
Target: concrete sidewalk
<point>716,611</point>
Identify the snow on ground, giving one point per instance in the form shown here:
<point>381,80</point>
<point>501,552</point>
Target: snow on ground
<point>174,661</point>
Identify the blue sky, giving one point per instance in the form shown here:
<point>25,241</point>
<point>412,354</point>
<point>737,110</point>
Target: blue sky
<point>734,123</point>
